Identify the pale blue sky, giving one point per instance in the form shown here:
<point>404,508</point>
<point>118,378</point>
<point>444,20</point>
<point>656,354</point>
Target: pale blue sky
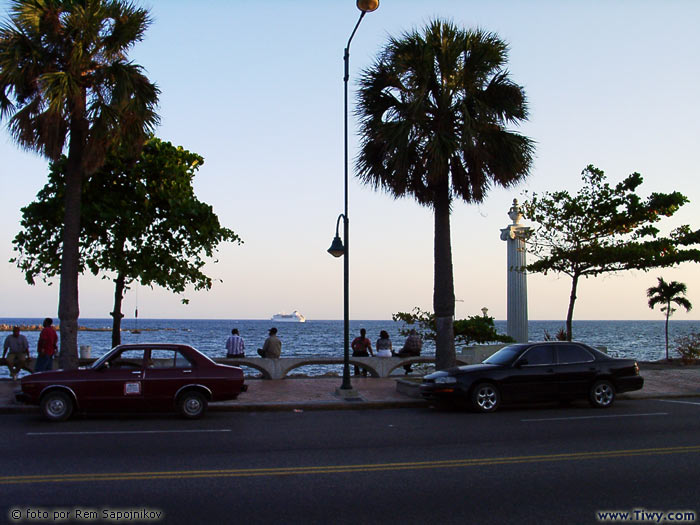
<point>256,88</point>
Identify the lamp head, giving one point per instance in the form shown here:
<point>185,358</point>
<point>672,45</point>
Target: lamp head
<point>367,6</point>
<point>337,249</point>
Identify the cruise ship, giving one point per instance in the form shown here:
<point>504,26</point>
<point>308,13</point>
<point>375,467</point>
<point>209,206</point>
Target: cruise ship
<point>294,317</point>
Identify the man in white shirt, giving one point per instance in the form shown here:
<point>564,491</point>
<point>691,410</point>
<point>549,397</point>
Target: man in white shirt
<point>235,347</point>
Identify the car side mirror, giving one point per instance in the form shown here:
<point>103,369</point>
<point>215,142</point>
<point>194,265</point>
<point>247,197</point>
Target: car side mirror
<point>521,363</point>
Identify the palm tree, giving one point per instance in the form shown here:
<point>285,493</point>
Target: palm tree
<point>434,111</point>
<point>66,83</point>
<point>666,293</point>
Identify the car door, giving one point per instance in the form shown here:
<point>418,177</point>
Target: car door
<point>576,370</point>
<point>115,386</point>
<point>167,371</point>
<point>533,377</point>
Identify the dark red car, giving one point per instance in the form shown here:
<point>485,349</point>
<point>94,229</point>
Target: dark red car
<point>135,378</point>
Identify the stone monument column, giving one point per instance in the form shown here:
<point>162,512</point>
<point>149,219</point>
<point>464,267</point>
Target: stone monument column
<point>515,236</point>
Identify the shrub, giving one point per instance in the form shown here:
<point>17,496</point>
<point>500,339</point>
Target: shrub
<point>559,336</point>
<point>688,346</point>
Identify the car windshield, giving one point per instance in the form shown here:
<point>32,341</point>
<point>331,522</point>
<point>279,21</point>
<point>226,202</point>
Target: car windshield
<point>506,355</point>
<point>98,363</point>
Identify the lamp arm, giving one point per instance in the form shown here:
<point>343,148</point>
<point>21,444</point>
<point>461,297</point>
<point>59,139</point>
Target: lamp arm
<point>337,223</point>
<point>346,57</point>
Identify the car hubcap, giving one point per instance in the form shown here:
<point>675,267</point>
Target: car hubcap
<point>192,405</point>
<point>486,398</point>
<point>603,394</point>
<point>56,407</point>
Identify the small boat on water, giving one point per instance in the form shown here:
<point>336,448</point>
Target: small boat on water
<point>294,317</point>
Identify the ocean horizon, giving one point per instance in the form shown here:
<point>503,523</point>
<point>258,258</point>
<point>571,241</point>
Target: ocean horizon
<point>641,340</point>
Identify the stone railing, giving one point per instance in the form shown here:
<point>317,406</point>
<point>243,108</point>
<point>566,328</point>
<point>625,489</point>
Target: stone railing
<point>280,368</point>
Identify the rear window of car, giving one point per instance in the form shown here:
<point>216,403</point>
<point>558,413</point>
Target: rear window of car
<point>573,354</point>
<point>161,358</point>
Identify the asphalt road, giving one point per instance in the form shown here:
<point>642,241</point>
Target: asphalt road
<point>530,465</point>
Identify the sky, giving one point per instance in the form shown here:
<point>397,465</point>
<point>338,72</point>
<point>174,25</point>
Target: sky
<point>256,88</point>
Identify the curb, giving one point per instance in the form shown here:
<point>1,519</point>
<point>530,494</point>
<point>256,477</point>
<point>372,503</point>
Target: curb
<point>667,395</point>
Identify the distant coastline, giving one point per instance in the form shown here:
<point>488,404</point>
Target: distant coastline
<point>38,328</point>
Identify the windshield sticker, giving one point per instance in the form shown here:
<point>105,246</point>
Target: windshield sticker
<point>132,388</point>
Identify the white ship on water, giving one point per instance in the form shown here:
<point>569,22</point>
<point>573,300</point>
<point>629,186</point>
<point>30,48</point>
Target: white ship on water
<point>294,317</point>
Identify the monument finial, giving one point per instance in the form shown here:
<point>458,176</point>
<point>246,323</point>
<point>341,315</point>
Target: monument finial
<point>515,213</point>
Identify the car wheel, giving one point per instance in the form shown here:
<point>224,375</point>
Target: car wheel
<point>56,406</point>
<point>485,397</point>
<point>602,394</point>
<point>192,404</point>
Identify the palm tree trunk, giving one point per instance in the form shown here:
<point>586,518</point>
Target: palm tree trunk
<point>117,314</point>
<point>570,312</point>
<point>68,307</point>
<point>443,291</point>
<point>668,314</point>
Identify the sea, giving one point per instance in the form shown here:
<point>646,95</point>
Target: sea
<point>641,340</point>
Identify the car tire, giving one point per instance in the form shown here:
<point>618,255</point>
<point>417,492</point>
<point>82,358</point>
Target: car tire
<point>56,406</point>
<point>192,404</point>
<point>486,397</point>
<point>602,394</point>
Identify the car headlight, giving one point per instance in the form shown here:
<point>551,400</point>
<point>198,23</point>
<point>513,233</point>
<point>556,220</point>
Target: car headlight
<point>446,380</point>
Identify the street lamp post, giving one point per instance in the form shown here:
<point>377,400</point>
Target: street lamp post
<point>337,249</point>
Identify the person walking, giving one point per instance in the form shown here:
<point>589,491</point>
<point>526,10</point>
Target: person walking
<point>235,346</point>
<point>361,347</point>
<point>46,347</point>
<point>18,347</point>
<point>272,348</point>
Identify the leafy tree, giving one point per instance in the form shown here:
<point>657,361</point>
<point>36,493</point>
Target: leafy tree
<point>478,329</point>
<point>140,222</point>
<point>66,84</point>
<point>434,112</point>
<point>666,293</point>
<point>605,229</point>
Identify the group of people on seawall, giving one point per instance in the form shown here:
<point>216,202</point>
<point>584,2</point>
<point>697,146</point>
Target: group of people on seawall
<point>361,347</point>
<point>16,349</point>
<point>272,347</point>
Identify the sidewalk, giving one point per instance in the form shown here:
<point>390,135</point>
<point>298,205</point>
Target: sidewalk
<point>320,393</point>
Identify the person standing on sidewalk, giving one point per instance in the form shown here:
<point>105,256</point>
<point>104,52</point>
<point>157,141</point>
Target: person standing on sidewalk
<point>235,346</point>
<point>47,346</point>
<point>18,346</point>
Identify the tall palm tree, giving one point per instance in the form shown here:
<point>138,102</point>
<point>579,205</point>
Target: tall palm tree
<point>66,84</point>
<point>666,293</point>
<point>434,112</point>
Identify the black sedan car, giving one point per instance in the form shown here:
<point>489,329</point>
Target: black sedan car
<point>536,372</point>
